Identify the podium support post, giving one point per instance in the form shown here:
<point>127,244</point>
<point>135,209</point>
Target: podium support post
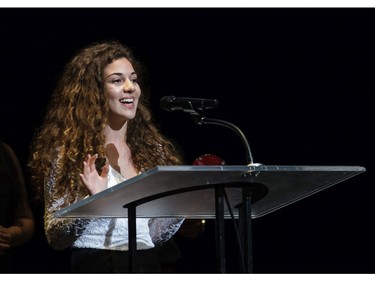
<point>245,220</point>
<point>219,229</point>
<point>132,236</point>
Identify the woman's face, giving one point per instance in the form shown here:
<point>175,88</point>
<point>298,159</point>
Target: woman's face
<point>121,89</point>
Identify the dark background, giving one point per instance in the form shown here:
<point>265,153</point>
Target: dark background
<point>297,82</point>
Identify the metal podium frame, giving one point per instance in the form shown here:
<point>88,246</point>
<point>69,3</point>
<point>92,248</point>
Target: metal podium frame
<point>194,192</point>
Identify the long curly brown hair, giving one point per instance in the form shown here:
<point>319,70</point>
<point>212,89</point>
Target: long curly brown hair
<point>75,119</point>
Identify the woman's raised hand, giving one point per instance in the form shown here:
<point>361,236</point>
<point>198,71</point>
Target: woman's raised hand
<point>94,182</point>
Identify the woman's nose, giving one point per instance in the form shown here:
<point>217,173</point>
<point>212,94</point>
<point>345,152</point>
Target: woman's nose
<point>128,86</point>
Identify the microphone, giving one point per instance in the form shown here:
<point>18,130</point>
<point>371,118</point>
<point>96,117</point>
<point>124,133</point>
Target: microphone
<point>191,105</point>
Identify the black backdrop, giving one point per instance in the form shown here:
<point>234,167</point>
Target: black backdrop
<point>296,81</point>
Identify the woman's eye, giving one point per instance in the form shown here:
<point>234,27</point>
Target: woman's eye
<point>116,81</point>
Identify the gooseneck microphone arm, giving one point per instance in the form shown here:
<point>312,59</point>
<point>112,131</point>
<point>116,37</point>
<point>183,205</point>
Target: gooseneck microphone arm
<point>204,120</point>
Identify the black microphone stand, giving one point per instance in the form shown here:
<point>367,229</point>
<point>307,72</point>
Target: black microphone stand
<point>244,209</point>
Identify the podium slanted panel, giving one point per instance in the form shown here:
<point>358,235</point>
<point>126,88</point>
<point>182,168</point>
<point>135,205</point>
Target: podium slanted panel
<point>189,191</point>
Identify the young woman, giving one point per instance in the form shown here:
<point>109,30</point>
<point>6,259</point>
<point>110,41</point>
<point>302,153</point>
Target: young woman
<point>98,132</point>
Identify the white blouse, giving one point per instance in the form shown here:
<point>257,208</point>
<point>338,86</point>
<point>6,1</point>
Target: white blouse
<point>112,233</point>
<point>103,233</point>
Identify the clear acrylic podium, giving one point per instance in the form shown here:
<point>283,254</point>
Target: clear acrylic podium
<point>218,192</point>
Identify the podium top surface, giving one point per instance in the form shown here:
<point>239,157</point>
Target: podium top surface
<point>189,191</point>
